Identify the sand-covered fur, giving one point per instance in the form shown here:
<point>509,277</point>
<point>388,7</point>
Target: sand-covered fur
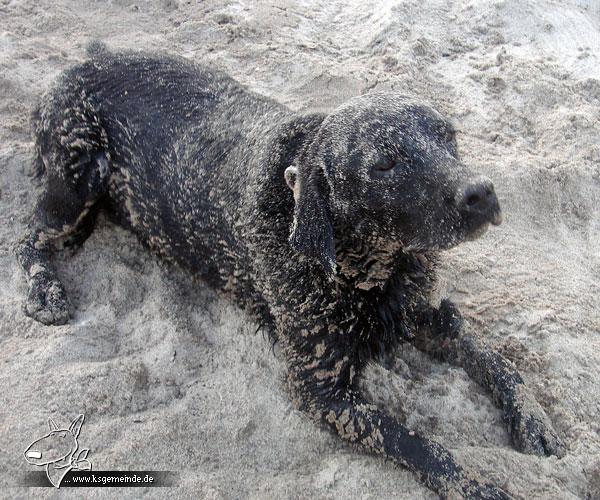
<point>172,377</point>
<point>262,203</point>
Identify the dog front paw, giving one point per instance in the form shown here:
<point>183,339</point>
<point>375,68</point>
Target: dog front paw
<point>477,491</point>
<point>449,320</point>
<point>531,429</point>
<point>488,492</point>
<point>47,301</point>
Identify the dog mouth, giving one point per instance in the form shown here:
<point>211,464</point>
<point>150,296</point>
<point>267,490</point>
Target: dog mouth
<point>497,218</point>
<point>451,235</point>
<point>478,231</point>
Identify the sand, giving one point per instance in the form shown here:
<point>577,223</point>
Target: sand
<point>172,377</point>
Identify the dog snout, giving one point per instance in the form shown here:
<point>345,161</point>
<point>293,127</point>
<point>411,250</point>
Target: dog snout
<point>478,200</point>
<point>34,454</point>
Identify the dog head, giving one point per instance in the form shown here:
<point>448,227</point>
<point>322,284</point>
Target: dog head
<point>385,166</point>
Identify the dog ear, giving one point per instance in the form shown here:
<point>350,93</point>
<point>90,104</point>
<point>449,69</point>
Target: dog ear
<point>75,426</point>
<point>312,229</point>
<point>52,424</point>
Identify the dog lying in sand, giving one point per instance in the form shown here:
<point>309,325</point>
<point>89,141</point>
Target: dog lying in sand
<point>326,228</point>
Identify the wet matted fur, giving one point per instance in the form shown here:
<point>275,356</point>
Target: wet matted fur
<point>326,228</point>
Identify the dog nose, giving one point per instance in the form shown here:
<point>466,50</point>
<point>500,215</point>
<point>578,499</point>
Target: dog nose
<point>479,200</point>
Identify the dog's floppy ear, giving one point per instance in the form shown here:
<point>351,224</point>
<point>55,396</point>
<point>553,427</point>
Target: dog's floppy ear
<point>312,229</point>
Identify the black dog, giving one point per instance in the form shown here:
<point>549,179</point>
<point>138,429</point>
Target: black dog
<point>324,227</point>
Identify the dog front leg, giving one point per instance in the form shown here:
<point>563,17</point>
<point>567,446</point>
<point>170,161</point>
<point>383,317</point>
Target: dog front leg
<point>447,338</point>
<point>320,382</point>
<point>359,422</point>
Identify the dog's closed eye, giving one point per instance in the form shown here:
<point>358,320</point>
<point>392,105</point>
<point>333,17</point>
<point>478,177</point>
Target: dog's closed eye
<point>401,159</point>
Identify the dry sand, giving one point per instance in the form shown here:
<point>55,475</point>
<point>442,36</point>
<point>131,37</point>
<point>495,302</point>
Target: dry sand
<point>171,377</point>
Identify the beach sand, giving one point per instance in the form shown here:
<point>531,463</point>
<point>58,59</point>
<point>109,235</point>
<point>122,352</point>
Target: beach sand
<point>172,377</point>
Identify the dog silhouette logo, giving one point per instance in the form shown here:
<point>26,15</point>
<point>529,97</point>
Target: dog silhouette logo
<point>59,451</point>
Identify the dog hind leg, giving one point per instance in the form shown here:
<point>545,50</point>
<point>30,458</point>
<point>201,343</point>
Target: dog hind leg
<point>61,216</point>
<point>71,157</point>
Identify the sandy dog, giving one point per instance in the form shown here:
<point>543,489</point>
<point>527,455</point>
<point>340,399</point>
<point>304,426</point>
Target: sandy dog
<point>326,228</point>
